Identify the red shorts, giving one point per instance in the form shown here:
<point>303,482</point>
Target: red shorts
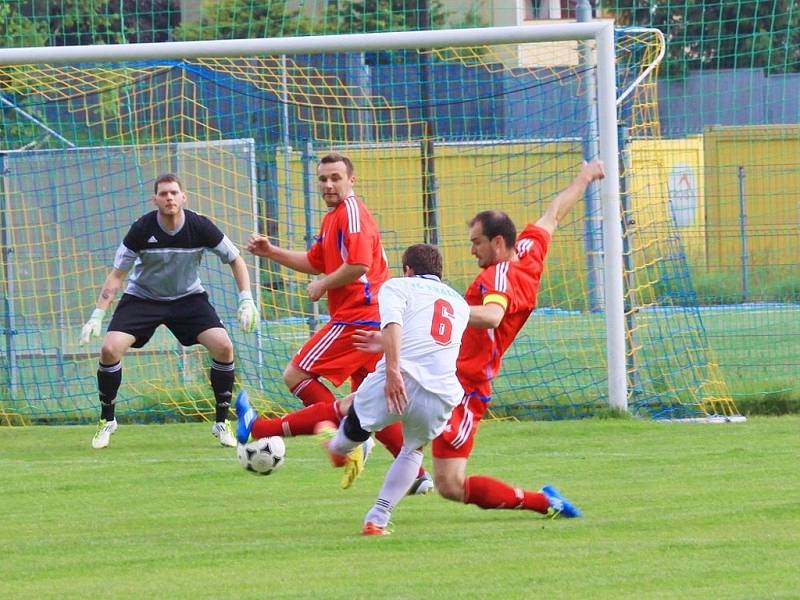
<point>330,354</point>
<point>458,437</point>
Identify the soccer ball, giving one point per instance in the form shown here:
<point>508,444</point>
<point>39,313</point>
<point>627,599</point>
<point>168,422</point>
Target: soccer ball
<point>262,456</point>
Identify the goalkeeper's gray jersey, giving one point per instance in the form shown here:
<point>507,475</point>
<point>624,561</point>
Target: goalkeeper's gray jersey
<point>164,266</point>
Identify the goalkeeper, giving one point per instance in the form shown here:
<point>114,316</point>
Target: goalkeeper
<point>164,249</point>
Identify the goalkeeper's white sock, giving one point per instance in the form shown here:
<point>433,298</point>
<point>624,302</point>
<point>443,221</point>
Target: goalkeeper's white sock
<point>399,478</point>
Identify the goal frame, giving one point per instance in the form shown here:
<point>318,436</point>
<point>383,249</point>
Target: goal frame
<point>601,32</point>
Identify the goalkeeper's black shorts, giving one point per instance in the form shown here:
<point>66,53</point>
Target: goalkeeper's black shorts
<point>185,317</point>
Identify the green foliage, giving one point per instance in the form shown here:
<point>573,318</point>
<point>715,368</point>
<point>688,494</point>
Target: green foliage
<point>25,23</point>
<point>78,22</point>
<point>722,34</point>
<point>471,17</point>
<point>780,285</point>
<point>770,403</point>
<point>766,284</point>
<point>231,19</point>
<point>15,132</point>
<point>19,31</point>
<point>149,20</point>
<point>366,16</point>
<point>235,19</point>
<point>16,31</point>
<point>716,287</point>
<point>612,413</point>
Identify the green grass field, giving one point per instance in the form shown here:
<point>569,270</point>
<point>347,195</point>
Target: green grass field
<point>671,511</point>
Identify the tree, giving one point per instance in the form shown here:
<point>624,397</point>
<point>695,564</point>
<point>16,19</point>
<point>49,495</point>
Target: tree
<point>149,20</point>
<point>235,19</point>
<point>368,16</point>
<point>720,35</point>
<point>18,31</point>
<point>76,22</point>
<point>25,23</point>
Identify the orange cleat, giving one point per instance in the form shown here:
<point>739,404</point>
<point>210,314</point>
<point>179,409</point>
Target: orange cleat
<point>371,529</point>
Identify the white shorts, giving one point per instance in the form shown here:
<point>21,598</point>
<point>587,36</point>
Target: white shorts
<point>425,416</point>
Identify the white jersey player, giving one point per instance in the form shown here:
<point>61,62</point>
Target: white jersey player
<point>422,321</point>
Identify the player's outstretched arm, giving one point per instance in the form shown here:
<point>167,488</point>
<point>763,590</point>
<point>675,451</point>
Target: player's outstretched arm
<point>563,203</point>
<point>248,312</point>
<point>487,316</point>
<point>111,286</point>
<point>298,261</point>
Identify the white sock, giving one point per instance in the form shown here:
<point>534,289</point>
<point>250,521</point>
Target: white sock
<point>399,478</point>
<point>341,444</point>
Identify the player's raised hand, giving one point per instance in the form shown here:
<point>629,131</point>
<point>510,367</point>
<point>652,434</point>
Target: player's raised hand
<point>92,327</point>
<point>593,170</point>
<point>247,313</point>
<point>259,245</point>
<point>368,340</point>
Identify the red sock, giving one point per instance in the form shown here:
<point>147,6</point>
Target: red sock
<point>311,391</point>
<point>357,378</point>
<point>392,438</point>
<point>487,492</point>
<point>299,422</point>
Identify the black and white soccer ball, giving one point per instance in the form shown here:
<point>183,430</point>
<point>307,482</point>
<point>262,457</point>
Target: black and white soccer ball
<point>262,456</point>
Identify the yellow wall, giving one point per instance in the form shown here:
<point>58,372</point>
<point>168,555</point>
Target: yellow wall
<point>520,179</point>
<point>687,186</point>
<point>666,184</point>
<point>769,155</point>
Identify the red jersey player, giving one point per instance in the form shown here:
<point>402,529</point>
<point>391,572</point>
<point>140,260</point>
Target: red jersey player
<point>349,255</point>
<point>501,299</point>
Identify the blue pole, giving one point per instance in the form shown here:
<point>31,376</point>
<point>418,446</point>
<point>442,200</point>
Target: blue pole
<point>309,172</point>
<point>743,238</point>
<point>593,225</point>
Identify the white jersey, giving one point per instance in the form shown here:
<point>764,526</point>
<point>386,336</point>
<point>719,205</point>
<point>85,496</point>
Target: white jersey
<point>433,317</point>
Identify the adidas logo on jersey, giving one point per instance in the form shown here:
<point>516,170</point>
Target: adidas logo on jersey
<point>152,240</point>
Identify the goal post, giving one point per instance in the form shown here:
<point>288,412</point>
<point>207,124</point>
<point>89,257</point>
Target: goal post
<point>357,42</point>
<point>499,130</point>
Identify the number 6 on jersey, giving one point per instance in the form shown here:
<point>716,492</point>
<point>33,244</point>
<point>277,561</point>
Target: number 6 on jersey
<point>442,323</point>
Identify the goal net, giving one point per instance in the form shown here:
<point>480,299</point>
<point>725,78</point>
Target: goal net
<point>437,133</point>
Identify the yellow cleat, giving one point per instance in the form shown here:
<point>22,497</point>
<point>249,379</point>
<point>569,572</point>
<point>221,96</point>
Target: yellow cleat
<point>353,463</point>
<point>353,467</point>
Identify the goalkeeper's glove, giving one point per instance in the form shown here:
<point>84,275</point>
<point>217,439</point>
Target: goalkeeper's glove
<point>248,313</point>
<point>92,327</point>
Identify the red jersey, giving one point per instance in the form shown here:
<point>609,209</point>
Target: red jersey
<point>349,234</point>
<point>510,283</point>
